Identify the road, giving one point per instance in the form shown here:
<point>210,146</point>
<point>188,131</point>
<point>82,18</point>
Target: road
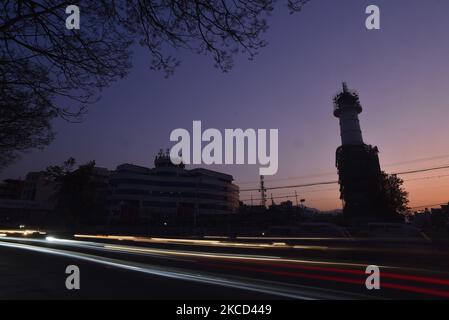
<point>131,268</point>
<point>32,275</point>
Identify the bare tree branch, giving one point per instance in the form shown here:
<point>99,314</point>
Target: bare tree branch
<point>47,71</point>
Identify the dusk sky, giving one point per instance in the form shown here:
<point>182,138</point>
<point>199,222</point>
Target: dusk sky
<point>401,73</point>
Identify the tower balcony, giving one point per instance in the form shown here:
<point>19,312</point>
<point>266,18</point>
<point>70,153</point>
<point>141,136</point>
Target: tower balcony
<point>338,109</point>
<point>347,100</point>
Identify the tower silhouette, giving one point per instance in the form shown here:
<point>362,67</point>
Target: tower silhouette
<point>357,163</point>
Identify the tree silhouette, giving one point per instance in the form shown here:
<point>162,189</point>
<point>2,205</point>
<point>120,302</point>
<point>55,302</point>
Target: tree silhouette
<point>74,192</point>
<point>393,197</point>
<point>48,71</point>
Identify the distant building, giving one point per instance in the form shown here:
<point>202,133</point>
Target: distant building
<point>440,217</point>
<point>26,201</point>
<point>38,187</point>
<point>31,200</point>
<point>142,193</point>
<point>11,189</point>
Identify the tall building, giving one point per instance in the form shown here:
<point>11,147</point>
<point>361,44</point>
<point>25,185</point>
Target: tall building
<point>357,163</point>
<point>168,191</point>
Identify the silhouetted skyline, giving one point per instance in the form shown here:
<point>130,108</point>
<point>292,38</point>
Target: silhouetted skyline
<point>400,73</point>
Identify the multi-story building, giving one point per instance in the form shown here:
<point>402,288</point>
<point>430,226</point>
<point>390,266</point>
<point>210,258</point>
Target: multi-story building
<point>26,201</point>
<point>33,199</point>
<point>169,190</point>
<point>11,189</point>
<point>38,187</point>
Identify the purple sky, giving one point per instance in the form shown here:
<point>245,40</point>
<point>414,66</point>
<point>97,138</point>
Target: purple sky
<point>401,73</point>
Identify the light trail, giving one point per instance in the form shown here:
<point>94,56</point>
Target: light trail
<point>276,265</point>
<point>361,282</point>
<point>389,275</point>
<point>228,241</point>
<point>160,252</point>
<point>277,243</point>
<point>24,232</point>
<point>166,254</point>
<point>132,249</point>
<point>248,285</point>
<point>217,243</point>
<point>153,251</point>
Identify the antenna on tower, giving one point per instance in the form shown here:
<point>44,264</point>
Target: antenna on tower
<point>263,192</point>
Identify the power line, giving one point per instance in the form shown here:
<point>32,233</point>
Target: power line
<point>422,170</point>
<point>308,191</point>
<point>333,173</point>
<point>292,178</point>
<point>294,186</point>
<point>444,156</point>
<point>293,195</point>
<point>429,177</point>
<point>336,181</point>
<point>277,197</point>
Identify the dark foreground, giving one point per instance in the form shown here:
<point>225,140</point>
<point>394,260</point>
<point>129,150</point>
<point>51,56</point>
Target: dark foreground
<point>30,275</point>
<point>114,269</point>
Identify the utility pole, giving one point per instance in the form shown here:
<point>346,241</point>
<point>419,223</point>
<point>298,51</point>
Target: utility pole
<point>263,194</point>
<point>296,196</point>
